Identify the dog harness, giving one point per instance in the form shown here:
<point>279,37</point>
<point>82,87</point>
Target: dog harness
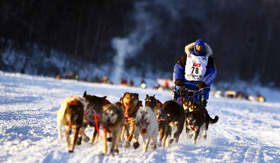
<point>94,120</point>
<point>73,102</point>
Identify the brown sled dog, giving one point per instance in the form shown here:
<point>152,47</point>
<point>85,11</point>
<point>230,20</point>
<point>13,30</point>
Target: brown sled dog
<point>93,113</point>
<point>176,117</point>
<point>198,119</point>
<point>112,121</point>
<point>70,115</point>
<point>164,128</point>
<point>130,104</point>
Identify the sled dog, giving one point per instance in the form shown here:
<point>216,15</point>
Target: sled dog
<point>196,120</point>
<point>176,118</point>
<point>130,104</point>
<point>146,125</point>
<point>112,121</point>
<point>93,113</point>
<point>164,128</point>
<point>70,115</point>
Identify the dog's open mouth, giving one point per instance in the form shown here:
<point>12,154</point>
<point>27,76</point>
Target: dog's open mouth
<point>127,106</point>
<point>143,122</point>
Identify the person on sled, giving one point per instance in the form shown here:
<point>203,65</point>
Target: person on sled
<point>193,71</point>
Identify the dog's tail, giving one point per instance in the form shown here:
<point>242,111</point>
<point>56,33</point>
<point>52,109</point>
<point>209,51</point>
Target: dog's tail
<point>212,121</point>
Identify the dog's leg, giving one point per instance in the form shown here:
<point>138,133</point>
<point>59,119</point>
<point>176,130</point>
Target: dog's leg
<point>131,131</point>
<point>154,141</point>
<point>188,131</point>
<point>76,132</point>
<point>93,136</point>
<point>113,145</point>
<point>166,133</point>
<point>59,124</point>
<point>67,135</point>
<point>164,139</point>
<point>104,138</point>
<point>135,138</point>
<point>205,127</point>
<point>85,138</point>
<point>80,135</point>
<point>146,141</point>
<point>122,133</point>
<point>118,137</point>
<point>161,135</point>
<point>196,133</point>
<point>180,126</point>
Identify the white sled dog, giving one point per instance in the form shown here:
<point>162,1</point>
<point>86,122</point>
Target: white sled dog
<point>147,126</point>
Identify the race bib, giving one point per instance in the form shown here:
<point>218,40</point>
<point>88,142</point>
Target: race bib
<point>195,68</point>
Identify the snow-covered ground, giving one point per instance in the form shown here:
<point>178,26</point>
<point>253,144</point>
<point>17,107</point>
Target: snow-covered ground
<point>246,131</point>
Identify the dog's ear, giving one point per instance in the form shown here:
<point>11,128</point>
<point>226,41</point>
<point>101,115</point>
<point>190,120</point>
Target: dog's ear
<point>104,97</point>
<point>85,93</point>
<point>154,96</point>
<point>147,95</point>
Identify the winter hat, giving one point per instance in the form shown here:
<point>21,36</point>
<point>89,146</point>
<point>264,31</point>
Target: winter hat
<point>202,45</point>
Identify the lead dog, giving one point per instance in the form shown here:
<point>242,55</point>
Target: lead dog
<point>112,121</point>
<point>196,120</point>
<point>146,125</point>
<point>70,115</point>
<point>130,104</point>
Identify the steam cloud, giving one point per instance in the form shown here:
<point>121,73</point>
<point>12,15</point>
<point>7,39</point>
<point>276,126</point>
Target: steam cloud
<point>134,43</point>
<point>147,24</point>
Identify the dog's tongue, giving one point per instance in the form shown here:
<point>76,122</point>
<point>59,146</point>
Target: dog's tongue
<point>193,128</point>
<point>127,106</point>
<point>144,130</point>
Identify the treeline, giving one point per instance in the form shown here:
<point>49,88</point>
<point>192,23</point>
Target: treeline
<point>244,35</point>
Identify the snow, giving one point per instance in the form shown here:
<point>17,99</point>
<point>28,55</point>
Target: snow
<point>246,131</point>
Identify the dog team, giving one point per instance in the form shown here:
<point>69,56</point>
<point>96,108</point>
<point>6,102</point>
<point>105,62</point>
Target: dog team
<point>126,120</point>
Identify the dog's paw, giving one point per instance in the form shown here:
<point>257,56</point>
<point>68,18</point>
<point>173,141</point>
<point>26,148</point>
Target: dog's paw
<point>109,139</point>
<point>194,141</point>
<point>127,145</point>
<point>153,146</point>
<point>79,141</point>
<point>70,151</point>
<point>85,138</point>
<point>205,137</point>
<point>116,151</point>
<point>136,145</point>
<point>190,135</point>
<point>171,141</point>
<point>111,154</point>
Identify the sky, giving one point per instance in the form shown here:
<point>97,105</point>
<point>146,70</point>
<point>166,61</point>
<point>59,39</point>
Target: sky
<point>247,131</point>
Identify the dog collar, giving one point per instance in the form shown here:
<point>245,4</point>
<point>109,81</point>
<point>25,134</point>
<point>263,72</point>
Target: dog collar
<point>161,120</point>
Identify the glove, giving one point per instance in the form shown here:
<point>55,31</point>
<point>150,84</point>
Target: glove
<point>200,85</point>
<point>180,89</point>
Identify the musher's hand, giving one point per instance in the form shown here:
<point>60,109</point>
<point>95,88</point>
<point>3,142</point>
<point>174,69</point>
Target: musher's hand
<point>181,89</point>
<point>200,85</point>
